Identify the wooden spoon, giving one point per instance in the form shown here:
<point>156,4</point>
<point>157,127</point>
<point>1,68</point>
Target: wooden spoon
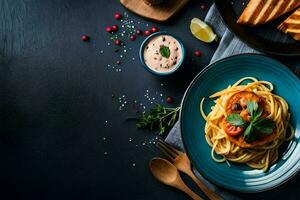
<point>167,173</point>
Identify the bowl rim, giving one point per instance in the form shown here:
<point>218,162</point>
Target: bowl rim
<point>146,40</point>
<point>183,101</point>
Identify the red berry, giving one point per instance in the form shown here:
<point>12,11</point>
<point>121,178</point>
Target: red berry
<point>170,99</point>
<point>84,38</point>
<point>114,28</point>
<point>118,42</point>
<point>118,16</point>
<point>118,62</point>
<point>109,29</point>
<point>147,32</point>
<point>139,32</point>
<point>154,29</point>
<point>202,6</point>
<point>198,53</point>
<point>132,37</point>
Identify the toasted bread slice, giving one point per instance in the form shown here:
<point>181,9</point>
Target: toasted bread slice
<point>292,25</point>
<point>262,11</point>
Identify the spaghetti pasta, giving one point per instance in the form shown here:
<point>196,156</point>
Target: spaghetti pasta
<point>258,154</point>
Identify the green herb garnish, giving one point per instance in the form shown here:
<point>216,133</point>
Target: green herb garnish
<point>159,118</point>
<point>235,119</point>
<point>256,125</point>
<point>164,51</point>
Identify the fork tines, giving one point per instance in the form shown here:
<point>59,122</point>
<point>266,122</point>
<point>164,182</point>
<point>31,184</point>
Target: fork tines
<point>167,149</point>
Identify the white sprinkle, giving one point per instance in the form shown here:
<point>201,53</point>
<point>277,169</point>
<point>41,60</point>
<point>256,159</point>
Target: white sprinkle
<point>133,58</point>
<point>104,138</point>
<point>124,50</point>
<point>105,153</point>
<point>144,107</point>
<point>106,121</point>
<point>133,164</point>
<point>101,51</point>
<point>130,139</point>
<point>125,102</point>
<point>144,144</point>
<point>123,105</point>
<point>153,98</point>
<point>123,96</point>
<point>161,84</point>
<point>161,95</point>
<point>108,44</point>
<point>121,56</point>
<point>135,101</point>
<point>136,145</point>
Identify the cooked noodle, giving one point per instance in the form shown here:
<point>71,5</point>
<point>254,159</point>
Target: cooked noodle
<point>260,156</point>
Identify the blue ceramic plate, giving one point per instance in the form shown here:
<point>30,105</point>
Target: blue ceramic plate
<point>217,76</point>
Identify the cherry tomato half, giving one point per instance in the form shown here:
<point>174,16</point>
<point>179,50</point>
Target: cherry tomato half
<point>232,130</point>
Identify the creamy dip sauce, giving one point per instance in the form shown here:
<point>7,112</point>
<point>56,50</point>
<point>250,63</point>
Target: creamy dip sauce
<point>162,53</point>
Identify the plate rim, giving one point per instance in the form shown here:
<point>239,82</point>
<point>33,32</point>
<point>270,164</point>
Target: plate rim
<point>218,4</point>
<point>203,71</point>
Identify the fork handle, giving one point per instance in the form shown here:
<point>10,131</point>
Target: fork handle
<point>210,194</point>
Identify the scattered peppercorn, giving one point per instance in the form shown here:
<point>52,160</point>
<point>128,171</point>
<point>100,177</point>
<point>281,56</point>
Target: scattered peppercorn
<point>198,53</point>
<point>114,28</point>
<point>118,42</point>
<point>118,16</point>
<point>147,32</point>
<point>170,99</point>
<point>132,37</point>
<point>154,29</point>
<point>138,32</point>
<point>84,38</point>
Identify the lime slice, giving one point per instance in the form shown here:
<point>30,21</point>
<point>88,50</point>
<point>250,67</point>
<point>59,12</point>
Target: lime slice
<point>202,31</point>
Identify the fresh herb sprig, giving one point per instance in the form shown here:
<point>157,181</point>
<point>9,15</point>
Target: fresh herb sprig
<point>165,51</point>
<point>256,125</point>
<point>159,118</point>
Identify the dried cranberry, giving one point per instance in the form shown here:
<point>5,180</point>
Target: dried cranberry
<point>84,38</point>
<point>147,32</point>
<point>154,29</point>
<point>132,37</point>
<point>109,29</point>
<point>118,16</point>
<point>118,62</point>
<point>139,32</point>
<point>198,53</point>
<point>170,99</point>
<point>114,28</point>
<point>118,42</point>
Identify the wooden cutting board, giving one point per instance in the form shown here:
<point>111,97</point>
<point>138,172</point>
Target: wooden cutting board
<point>161,12</point>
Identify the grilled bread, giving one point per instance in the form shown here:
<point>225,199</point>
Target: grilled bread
<point>262,11</point>
<point>292,25</point>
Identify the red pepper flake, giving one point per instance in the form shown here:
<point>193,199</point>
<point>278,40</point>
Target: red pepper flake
<point>84,37</point>
<point>198,53</point>
<point>203,6</point>
<point>132,37</point>
<point>114,28</point>
<point>118,42</point>
<point>139,32</point>
<point>170,99</point>
<point>147,32</point>
<point>154,29</point>
<point>118,62</point>
<point>109,29</point>
<point>118,16</point>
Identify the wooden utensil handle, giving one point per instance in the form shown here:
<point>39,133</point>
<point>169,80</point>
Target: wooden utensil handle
<point>183,187</point>
<point>210,194</point>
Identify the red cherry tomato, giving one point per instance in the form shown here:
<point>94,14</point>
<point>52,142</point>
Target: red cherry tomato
<point>232,130</point>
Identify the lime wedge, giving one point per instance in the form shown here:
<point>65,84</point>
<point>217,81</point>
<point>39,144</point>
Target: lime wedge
<point>202,31</point>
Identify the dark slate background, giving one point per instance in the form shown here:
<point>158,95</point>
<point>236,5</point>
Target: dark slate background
<point>56,104</point>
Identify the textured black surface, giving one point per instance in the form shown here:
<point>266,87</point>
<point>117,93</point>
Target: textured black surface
<point>56,94</point>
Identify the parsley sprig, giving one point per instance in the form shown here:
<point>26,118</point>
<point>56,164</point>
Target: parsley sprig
<point>256,127</point>
<point>159,118</point>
